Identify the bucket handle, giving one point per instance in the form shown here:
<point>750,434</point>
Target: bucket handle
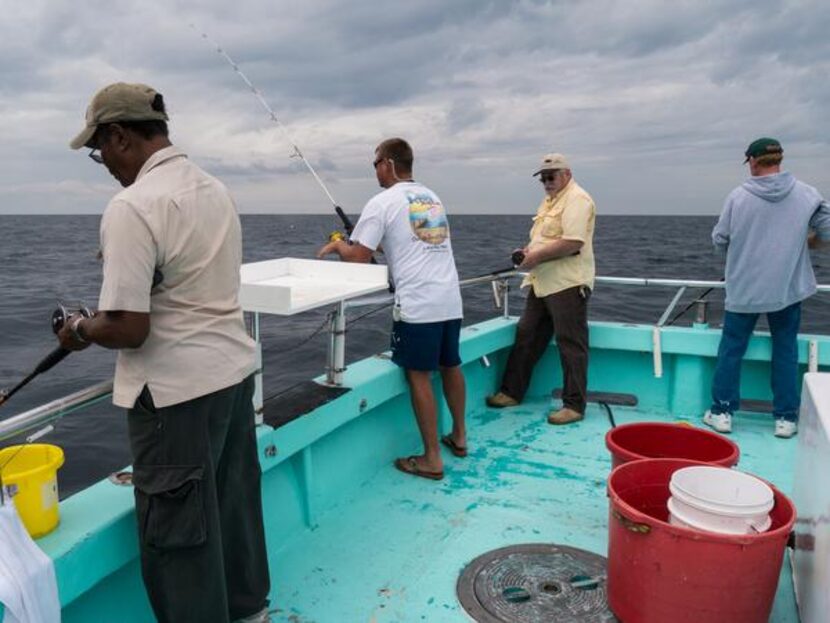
<point>630,524</point>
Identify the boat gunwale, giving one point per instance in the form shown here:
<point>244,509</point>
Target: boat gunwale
<point>101,517</point>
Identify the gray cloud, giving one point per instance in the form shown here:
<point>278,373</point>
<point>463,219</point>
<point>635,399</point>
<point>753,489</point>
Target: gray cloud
<point>644,94</point>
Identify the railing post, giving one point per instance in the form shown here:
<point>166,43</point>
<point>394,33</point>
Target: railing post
<point>657,349</point>
<point>258,393</point>
<point>656,338</point>
<point>337,345</point>
<point>812,356</point>
<point>701,316</point>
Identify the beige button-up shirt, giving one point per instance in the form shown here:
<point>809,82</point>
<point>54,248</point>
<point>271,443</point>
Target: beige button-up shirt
<point>178,219</point>
<point>569,215</point>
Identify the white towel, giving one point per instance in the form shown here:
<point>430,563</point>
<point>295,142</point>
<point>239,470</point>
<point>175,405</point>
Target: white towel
<point>28,589</point>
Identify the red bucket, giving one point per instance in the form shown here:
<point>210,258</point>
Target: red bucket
<point>656,440</point>
<point>659,573</point>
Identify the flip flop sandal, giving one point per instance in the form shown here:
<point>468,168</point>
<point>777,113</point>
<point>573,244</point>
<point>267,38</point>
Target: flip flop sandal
<point>410,466</point>
<point>457,450</point>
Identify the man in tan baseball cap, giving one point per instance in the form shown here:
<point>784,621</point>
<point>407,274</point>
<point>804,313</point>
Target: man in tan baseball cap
<point>126,124</point>
<point>553,162</point>
<point>171,244</point>
<point>120,102</point>
<point>560,261</point>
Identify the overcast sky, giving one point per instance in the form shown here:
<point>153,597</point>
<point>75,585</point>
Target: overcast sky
<point>653,102</point>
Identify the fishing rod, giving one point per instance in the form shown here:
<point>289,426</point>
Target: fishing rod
<point>517,257</point>
<point>47,363</point>
<point>347,224</point>
<point>59,318</point>
<point>702,297</point>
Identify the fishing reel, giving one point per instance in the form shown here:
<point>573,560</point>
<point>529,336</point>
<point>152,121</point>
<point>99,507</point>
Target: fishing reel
<point>62,314</point>
<point>517,257</point>
<point>338,235</point>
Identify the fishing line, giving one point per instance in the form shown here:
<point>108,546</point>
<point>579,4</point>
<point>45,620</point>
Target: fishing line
<point>29,440</point>
<point>271,114</point>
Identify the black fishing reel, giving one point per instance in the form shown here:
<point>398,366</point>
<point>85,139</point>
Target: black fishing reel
<point>62,314</point>
<point>517,257</point>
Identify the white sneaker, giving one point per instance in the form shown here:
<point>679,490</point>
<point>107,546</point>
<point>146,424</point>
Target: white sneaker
<point>721,422</point>
<point>785,428</point>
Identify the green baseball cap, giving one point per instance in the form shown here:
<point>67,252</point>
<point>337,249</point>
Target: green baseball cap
<point>118,102</point>
<point>763,147</point>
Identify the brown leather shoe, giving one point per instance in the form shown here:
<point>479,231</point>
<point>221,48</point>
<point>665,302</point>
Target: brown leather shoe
<point>564,416</point>
<point>500,400</point>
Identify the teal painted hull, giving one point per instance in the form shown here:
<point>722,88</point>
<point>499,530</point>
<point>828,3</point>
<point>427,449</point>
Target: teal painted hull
<point>351,539</point>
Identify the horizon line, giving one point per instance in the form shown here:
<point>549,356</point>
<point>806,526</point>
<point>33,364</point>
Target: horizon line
<point>331,212</point>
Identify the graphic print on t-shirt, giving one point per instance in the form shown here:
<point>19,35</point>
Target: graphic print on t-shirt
<point>427,218</point>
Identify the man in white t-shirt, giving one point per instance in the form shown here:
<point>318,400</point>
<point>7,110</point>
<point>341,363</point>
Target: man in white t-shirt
<point>408,222</point>
<point>171,243</point>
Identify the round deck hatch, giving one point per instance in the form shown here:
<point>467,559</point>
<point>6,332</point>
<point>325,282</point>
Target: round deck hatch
<point>535,583</point>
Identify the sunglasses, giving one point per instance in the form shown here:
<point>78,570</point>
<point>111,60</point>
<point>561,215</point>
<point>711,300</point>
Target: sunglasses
<point>548,178</point>
<point>95,154</point>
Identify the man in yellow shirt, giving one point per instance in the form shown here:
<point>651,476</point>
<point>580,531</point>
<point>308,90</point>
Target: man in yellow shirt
<point>560,258</point>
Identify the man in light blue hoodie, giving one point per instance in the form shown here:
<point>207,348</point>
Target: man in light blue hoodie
<point>763,229</point>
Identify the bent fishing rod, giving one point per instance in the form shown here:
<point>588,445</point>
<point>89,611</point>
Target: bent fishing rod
<point>297,153</point>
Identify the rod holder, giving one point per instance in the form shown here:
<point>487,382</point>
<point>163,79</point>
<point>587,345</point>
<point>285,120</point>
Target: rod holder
<point>701,311</point>
<point>337,346</point>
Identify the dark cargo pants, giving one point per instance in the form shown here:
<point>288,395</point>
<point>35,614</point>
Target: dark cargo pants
<point>199,508</point>
<point>565,315</point>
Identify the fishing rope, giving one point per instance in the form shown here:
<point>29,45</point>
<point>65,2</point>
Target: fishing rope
<point>314,334</point>
<point>369,313</point>
<point>308,338</point>
<point>325,322</point>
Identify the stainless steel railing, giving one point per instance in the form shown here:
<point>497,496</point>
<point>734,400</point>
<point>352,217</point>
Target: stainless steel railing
<point>43,415</point>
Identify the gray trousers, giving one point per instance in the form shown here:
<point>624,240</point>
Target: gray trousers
<point>565,315</point>
<point>199,508</point>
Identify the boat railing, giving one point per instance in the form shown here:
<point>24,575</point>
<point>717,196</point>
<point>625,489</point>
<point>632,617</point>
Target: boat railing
<point>40,418</point>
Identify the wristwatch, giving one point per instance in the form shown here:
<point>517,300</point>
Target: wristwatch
<point>75,327</point>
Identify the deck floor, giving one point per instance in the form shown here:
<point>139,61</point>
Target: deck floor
<point>393,550</point>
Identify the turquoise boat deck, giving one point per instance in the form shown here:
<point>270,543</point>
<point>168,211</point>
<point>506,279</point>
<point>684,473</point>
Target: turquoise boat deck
<point>393,548</point>
<point>353,540</point>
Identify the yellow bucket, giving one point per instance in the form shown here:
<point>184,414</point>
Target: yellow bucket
<point>30,474</point>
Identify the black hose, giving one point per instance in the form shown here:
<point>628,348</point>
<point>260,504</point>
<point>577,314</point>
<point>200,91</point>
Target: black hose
<point>609,412</point>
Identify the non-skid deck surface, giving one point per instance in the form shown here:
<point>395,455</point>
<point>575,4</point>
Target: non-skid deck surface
<point>393,550</point>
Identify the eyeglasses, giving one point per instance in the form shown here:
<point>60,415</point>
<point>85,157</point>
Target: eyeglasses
<point>95,154</point>
<point>548,178</point>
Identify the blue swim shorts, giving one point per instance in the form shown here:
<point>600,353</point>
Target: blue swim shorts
<point>425,346</point>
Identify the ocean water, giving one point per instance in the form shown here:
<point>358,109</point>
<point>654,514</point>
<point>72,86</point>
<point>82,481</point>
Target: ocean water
<point>46,259</point>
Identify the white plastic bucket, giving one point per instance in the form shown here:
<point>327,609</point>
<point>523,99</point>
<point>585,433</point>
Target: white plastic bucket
<point>719,499</point>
